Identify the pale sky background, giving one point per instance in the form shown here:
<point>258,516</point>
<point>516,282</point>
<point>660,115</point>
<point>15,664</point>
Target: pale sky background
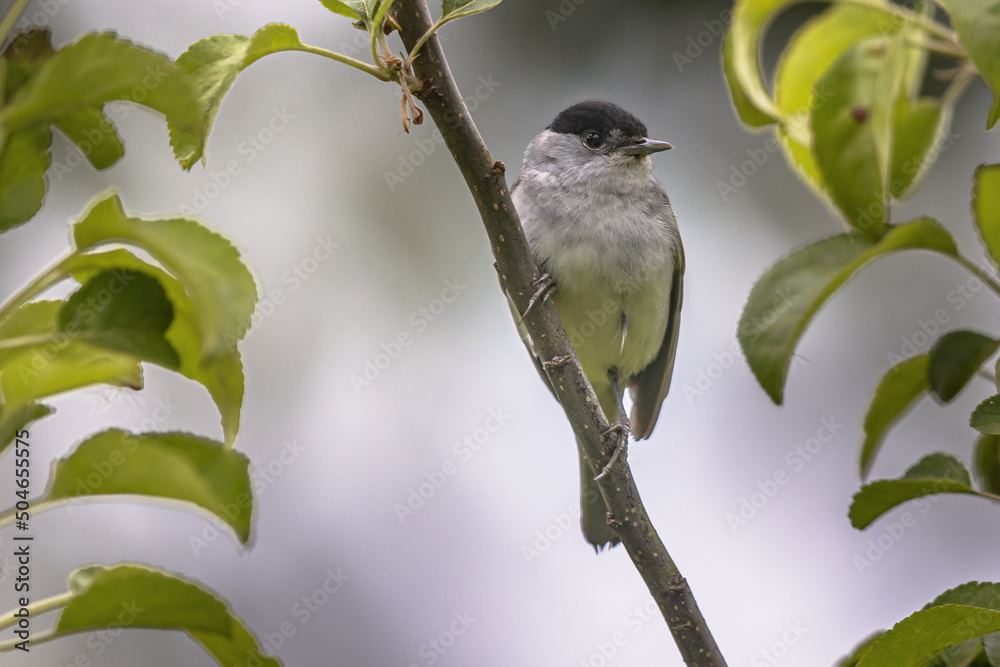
<point>335,462</point>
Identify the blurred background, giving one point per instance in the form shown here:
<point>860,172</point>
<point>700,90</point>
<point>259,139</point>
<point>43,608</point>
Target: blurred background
<point>359,234</point>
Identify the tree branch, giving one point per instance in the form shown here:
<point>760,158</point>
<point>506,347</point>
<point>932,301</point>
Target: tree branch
<point>516,266</point>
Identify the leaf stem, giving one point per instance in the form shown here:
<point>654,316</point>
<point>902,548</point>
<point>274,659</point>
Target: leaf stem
<point>380,73</point>
<point>978,272</point>
<point>423,38</point>
<point>10,17</point>
<point>376,28</point>
<point>918,19</point>
<point>39,638</point>
<point>37,505</point>
<point>41,607</point>
<point>45,280</point>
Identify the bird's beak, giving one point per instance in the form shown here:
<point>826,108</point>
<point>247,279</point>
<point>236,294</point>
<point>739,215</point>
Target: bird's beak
<point>646,146</point>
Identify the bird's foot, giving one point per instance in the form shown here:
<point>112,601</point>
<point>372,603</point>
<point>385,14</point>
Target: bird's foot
<point>545,285</point>
<point>620,430</point>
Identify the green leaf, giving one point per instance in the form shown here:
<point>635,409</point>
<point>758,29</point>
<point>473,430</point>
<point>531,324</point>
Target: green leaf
<point>955,358</point>
<point>977,24</point>
<point>860,650</point>
<point>986,417</point>
<point>972,594</point>
<point>238,650</point>
<point>918,131</point>
<point>456,9</point>
<point>177,466</point>
<point>933,474</point>
<point>220,286</point>
<point>30,372</point>
<point>895,394</point>
<point>340,8</point>
<point>123,311</point>
<point>810,52</point>
<point>745,109</point>
<point>24,159</point>
<point>844,136</point>
<point>17,417</point>
<point>222,375</point>
<point>100,68</point>
<point>150,597</point>
<point>741,49</point>
<point>921,636</point>
<point>986,463</point>
<point>986,208</point>
<point>213,64</point>
<point>135,595</point>
<point>791,292</point>
<point>889,87</point>
<point>94,134</point>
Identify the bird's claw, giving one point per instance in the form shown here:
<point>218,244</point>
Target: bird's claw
<point>546,285</point>
<point>620,429</point>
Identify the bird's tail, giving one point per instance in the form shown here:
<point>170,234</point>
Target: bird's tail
<point>593,511</point>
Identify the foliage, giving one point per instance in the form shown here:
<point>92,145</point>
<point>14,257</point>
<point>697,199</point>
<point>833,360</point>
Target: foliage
<point>848,107</point>
<point>185,308</point>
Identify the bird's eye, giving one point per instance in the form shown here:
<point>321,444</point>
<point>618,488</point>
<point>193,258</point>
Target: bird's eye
<point>594,140</point>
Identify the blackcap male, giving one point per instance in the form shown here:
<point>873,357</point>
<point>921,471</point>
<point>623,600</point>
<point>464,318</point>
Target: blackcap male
<point>602,230</point>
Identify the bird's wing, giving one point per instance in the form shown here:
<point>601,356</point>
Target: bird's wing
<point>650,385</point>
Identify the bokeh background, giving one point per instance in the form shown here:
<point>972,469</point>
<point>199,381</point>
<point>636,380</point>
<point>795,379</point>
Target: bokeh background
<point>491,552</point>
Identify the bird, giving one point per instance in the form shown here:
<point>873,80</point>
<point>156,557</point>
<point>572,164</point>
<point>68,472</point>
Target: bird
<point>604,236</point>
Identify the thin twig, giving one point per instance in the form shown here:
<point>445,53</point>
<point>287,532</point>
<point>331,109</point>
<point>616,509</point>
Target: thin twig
<point>518,271</point>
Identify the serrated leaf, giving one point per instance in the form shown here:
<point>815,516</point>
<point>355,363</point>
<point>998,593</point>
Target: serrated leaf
<point>16,417</point>
<point>100,68</point>
<point>221,375</point>
<point>986,417</point>
<point>31,372</point>
<point>973,594</point>
<point>749,114</point>
<point>933,474</point>
<point>213,64</point>
<point>151,597</point>
<point>977,24</point>
<point>140,596</point>
<point>986,463</point>
<point>919,130</point>
<point>341,8</point>
<point>456,9</point>
<point>220,286</point>
<point>955,358</point>
<point>844,136</point>
<point>176,466</point>
<point>741,49</point>
<point>24,159</point>
<point>893,397</point>
<point>860,650</point>
<point>94,134</point>
<point>802,282</point>
<point>124,311</point>
<point>986,208</point>
<point>921,636</point>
